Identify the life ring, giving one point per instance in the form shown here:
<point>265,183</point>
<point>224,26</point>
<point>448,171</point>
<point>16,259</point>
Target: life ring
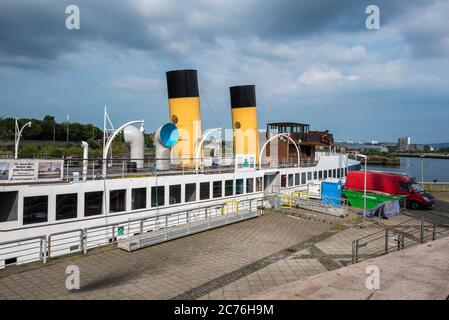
<point>325,138</point>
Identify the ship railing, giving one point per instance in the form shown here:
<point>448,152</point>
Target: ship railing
<point>408,233</point>
<point>23,250</point>
<point>44,247</point>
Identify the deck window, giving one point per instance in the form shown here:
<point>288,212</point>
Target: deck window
<point>290,180</point>
<point>93,203</point>
<point>117,200</point>
<point>325,174</point>
<point>204,190</point>
<point>66,206</point>
<point>239,186</point>
<point>249,185</point>
<point>190,192</point>
<point>217,189</point>
<point>315,175</point>
<point>320,175</point>
<point>297,179</point>
<point>309,175</point>
<point>229,188</point>
<point>283,181</point>
<point>334,173</point>
<point>139,198</point>
<point>157,196</point>
<point>8,207</point>
<point>35,209</point>
<point>329,173</point>
<point>338,173</point>
<point>303,178</point>
<point>259,184</point>
<point>346,171</point>
<point>174,194</point>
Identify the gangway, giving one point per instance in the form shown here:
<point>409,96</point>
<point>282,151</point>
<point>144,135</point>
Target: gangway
<point>209,222</point>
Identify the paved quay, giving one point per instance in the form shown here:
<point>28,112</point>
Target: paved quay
<point>175,269</point>
<point>420,272</point>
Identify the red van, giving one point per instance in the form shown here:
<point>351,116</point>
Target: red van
<point>393,184</point>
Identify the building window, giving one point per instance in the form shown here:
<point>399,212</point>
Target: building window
<point>174,192</point>
<point>283,181</point>
<point>239,186</point>
<point>290,180</point>
<point>8,207</point>
<point>93,203</point>
<point>229,188</point>
<point>157,196</point>
<point>315,175</point>
<point>249,185</point>
<point>66,206</point>
<point>190,192</point>
<point>309,175</point>
<point>117,200</point>
<point>259,184</point>
<point>35,209</point>
<point>320,175</point>
<point>303,178</point>
<point>138,198</point>
<point>217,189</point>
<point>204,190</point>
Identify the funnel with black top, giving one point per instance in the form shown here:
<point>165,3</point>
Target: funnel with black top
<point>184,109</point>
<point>244,120</point>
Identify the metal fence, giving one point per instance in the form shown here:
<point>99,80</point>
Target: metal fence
<point>398,237</point>
<point>44,247</point>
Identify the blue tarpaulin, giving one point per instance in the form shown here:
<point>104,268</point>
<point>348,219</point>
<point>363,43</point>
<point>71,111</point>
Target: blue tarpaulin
<point>331,192</point>
<point>383,210</point>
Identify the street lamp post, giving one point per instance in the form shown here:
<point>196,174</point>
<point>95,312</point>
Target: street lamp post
<point>364,187</point>
<point>17,135</point>
<point>422,171</point>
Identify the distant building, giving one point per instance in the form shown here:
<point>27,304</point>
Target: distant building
<point>404,143</point>
<point>374,142</point>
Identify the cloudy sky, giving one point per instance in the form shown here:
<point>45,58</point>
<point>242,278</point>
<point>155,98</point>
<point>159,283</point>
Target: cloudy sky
<point>311,61</point>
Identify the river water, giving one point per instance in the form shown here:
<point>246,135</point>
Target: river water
<point>433,168</point>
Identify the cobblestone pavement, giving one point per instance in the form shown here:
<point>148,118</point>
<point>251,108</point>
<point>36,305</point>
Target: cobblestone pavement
<point>327,254</point>
<point>167,270</point>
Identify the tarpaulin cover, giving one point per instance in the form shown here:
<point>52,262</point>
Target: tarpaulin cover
<point>384,210</point>
<point>331,192</point>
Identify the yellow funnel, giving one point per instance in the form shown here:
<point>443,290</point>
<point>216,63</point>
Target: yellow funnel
<point>244,120</point>
<point>184,109</point>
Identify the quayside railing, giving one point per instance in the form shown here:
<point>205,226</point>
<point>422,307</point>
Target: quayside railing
<point>408,233</point>
<point>44,247</point>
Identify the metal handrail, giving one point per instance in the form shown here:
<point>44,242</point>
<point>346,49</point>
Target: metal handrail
<point>415,233</point>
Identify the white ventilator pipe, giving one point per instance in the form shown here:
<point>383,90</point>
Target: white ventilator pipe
<point>85,146</point>
<point>165,138</point>
<point>135,139</point>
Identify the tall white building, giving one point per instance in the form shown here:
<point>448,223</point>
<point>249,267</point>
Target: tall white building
<point>404,143</point>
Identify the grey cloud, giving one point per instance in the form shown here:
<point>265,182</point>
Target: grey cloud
<point>33,34</point>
